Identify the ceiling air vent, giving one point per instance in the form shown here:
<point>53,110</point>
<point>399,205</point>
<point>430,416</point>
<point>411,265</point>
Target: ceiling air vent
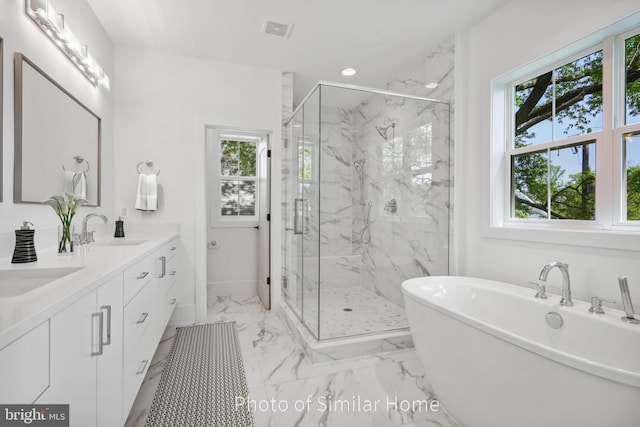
<point>279,29</point>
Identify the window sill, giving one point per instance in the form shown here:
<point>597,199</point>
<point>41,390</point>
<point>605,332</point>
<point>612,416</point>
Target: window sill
<point>617,238</point>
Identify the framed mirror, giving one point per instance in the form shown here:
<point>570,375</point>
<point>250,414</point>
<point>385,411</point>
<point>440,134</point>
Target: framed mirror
<point>57,139</point>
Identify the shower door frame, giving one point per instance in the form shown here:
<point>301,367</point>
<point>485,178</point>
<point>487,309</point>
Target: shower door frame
<point>318,87</point>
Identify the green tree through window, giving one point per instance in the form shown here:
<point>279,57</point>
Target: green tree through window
<point>564,102</point>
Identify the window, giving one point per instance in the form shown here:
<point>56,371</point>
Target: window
<point>572,134</point>
<point>238,178</point>
<point>234,176</point>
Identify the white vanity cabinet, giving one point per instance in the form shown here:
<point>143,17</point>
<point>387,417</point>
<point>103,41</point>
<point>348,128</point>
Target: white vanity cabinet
<point>92,345</point>
<point>24,364</point>
<point>146,316</point>
<point>86,357</point>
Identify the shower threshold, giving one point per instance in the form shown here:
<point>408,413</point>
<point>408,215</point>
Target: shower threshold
<point>396,335</point>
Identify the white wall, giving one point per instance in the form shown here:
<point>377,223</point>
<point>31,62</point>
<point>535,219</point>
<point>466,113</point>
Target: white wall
<point>163,103</point>
<point>20,34</point>
<point>483,53</point>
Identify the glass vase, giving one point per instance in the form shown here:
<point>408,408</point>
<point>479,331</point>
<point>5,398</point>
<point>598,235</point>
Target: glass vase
<point>65,239</point>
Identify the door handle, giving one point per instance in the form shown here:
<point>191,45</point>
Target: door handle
<point>297,216</point>
<point>100,318</point>
<point>108,308</point>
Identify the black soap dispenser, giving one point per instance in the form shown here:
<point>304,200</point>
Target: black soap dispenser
<point>25,250</point>
<point>119,228</point>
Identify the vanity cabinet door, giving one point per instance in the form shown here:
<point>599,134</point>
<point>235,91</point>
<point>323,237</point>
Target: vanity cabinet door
<point>109,369</point>
<point>74,340</point>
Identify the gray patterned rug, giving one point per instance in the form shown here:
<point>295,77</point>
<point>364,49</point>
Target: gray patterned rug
<point>201,379</point>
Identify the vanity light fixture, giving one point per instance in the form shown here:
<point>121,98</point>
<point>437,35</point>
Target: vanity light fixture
<point>54,26</point>
<point>348,72</point>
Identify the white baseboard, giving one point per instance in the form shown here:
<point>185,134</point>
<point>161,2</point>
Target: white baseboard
<point>238,289</point>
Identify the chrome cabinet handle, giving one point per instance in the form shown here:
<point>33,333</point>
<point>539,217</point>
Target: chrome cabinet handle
<point>173,301</point>
<point>172,273</point>
<point>143,317</point>
<point>143,365</point>
<point>108,308</point>
<point>143,275</point>
<point>164,266</point>
<point>100,318</point>
<point>172,248</point>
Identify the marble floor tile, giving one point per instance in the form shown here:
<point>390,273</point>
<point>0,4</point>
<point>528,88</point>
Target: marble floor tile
<point>279,373</point>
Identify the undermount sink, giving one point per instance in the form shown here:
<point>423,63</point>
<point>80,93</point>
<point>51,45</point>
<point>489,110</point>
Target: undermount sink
<point>121,242</point>
<point>15,282</point>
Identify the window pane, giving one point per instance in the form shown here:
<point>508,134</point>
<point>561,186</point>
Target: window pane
<point>228,198</point>
<point>530,185</point>
<point>229,158</point>
<point>632,160</point>
<point>632,94</point>
<point>247,153</point>
<point>247,197</point>
<point>304,163</point>
<point>573,181</point>
<point>533,111</point>
<point>578,94</point>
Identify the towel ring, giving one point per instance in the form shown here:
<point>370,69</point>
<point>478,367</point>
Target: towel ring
<point>79,160</point>
<point>147,163</point>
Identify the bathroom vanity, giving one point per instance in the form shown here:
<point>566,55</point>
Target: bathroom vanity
<point>85,331</point>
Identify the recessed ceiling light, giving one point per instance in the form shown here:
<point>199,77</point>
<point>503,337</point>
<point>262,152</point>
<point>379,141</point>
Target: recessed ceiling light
<point>348,72</point>
<point>431,85</point>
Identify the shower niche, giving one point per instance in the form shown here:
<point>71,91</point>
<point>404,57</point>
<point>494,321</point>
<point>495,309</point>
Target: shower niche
<point>366,187</point>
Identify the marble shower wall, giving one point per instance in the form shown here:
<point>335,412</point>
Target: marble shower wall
<point>406,180</point>
<point>415,169</point>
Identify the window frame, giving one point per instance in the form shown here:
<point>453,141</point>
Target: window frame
<point>609,168</point>
<point>215,177</point>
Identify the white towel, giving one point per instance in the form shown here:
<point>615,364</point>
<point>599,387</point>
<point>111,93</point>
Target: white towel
<point>75,183</point>
<point>147,195</point>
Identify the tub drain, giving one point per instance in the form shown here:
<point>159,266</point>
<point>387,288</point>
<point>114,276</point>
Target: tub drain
<point>347,309</point>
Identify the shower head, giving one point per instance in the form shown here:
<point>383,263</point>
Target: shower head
<point>384,130</point>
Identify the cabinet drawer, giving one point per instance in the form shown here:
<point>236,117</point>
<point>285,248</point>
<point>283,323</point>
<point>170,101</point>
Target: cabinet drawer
<point>24,367</point>
<point>170,249</point>
<point>138,315</point>
<point>136,365</point>
<point>136,276</point>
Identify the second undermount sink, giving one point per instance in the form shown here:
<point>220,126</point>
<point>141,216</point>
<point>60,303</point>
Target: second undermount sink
<point>120,242</point>
<point>15,282</point>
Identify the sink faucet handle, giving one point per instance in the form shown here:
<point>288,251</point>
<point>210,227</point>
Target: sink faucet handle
<point>540,290</point>
<point>596,304</point>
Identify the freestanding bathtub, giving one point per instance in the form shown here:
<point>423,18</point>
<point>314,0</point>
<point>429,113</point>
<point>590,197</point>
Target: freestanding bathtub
<point>492,359</point>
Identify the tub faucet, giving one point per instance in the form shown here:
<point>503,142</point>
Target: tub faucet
<point>630,315</point>
<point>566,285</point>
<point>87,236</point>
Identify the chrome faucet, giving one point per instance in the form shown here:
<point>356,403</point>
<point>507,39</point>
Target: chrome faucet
<point>566,285</point>
<point>630,315</point>
<point>87,236</point>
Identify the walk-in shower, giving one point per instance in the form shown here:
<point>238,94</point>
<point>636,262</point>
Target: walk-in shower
<point>366,187</point>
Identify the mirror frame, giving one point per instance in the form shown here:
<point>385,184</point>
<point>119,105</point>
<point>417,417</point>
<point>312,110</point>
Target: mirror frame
<point>19,58</point>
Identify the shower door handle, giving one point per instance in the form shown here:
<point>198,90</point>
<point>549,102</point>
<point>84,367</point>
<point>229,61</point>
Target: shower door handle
<point>297,218</point>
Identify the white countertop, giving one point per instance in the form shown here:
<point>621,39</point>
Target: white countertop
<point>21,313</point>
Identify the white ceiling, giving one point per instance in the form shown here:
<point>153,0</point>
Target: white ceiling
<point>380,38</point>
